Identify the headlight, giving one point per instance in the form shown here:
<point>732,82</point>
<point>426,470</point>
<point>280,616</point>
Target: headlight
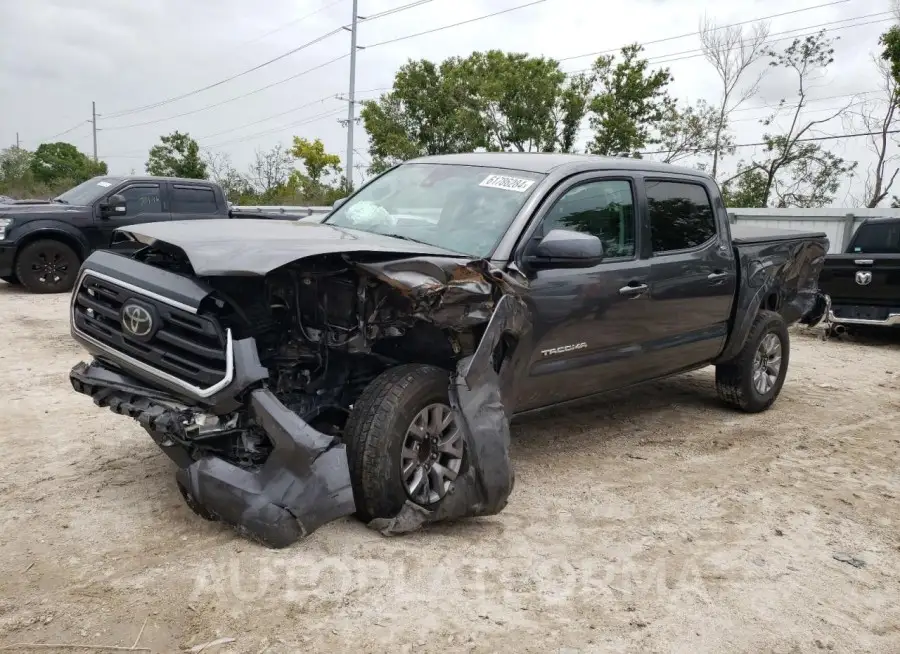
<point>5,224</point>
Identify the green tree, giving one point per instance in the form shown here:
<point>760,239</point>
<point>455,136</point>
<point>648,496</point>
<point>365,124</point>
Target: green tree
<point>178,155</point>
<point>792,171</point>
<point>426,112</point>
<point>890,42</point>
<point>631,103</point>
<point>55,162</point>
<point>15,164</point>
<point>524,103</point>
<point>691,131</point>
<point>316,161</point>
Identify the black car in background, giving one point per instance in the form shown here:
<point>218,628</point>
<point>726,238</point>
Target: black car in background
<point>43,242</point>
<point>864,281</point>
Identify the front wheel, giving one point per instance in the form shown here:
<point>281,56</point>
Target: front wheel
<point>47,266</point>
<point>403,441</point>
<point>753,379</point>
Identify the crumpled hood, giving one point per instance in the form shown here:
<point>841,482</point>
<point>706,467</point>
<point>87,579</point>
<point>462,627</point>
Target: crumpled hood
<point>245,246</point>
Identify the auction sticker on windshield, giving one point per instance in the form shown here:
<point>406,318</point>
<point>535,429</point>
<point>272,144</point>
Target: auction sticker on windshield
<point>517,184</point>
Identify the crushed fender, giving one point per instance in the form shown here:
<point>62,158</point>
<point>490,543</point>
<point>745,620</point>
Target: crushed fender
<point>304,484</point>
<point>481,398</point>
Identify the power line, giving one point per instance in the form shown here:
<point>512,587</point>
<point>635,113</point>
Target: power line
<point>660,60</point>
<point>305,121</point>
<point>395,10</point>
<point>293,22</point>
<point>665,58</point>
<point>161,103</point>
<point>232,99</point>
<point>268,62</point>
<point>464,22</point>
<point>267,118</point>
<point>800,140</point>
<point>689,34</point>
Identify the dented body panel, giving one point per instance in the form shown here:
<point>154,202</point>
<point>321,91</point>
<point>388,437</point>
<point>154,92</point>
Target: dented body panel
<point>243,346</point>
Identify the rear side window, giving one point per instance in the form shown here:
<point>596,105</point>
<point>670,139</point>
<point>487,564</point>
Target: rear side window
<point>193,199</point>
<point>877,238</point>
<point>681,216</point>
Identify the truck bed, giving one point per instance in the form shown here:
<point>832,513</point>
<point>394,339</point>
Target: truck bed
<point>747,234</point>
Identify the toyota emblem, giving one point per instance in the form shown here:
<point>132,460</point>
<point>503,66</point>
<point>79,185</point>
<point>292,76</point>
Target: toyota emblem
<point>136,320</point>
<point>863,277</point>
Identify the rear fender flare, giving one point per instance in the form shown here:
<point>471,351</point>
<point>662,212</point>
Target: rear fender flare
<point>746,309</point>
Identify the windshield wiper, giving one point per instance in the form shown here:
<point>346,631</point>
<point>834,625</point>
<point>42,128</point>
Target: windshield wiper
<point>408,238</point>
<point>60,200</point>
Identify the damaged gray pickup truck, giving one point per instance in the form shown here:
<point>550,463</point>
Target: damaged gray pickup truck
<point>370,362</point>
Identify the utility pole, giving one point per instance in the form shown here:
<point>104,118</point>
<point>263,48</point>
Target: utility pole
<point>17,140</point>
<point>94,126</point>
<point>351,104</point>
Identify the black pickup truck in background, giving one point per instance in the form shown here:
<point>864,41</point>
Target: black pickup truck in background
<point>864,282</point>
<point>300,371</point>
<point>43,242</point>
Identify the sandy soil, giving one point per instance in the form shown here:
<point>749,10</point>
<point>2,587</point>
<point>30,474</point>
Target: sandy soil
<point>653,521</point>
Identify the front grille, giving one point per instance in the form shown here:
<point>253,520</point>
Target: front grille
<point>184,345</point>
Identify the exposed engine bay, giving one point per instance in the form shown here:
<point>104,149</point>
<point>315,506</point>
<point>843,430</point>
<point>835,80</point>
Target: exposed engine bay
<point>326,327</point>
<point>263,449</point>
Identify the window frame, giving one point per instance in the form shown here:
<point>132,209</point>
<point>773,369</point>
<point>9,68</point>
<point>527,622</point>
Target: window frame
<point>193,187</point>
<point>121,190</point>
<point>553,197</point>
<point>713,213</point>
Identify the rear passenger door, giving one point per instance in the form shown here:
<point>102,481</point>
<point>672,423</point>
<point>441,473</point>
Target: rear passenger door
<point>692,274</point>
<point>193,202</point>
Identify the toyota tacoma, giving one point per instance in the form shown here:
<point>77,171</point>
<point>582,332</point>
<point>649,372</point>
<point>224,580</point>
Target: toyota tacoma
<point>370,362</point>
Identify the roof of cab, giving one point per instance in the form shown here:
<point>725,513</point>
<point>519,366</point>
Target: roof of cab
<point>547,162</point>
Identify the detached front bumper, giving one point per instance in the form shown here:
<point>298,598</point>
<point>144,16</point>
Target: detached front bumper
<point>303,484</point>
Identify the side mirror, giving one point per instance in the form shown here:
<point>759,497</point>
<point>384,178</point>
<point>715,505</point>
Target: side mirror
<point>563,248</point>
<point>115,205</point>
<point>338,203</point>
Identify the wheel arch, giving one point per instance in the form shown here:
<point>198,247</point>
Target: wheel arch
<point>51,232</point>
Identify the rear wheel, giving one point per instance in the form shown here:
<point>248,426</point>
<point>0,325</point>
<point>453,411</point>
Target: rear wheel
<point>403,441</point>
<point>47,266</point>
<point>753,379</point>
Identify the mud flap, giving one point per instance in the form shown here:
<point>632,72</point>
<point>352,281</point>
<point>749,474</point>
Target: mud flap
<point>481,397</point>
<point>304,484</point>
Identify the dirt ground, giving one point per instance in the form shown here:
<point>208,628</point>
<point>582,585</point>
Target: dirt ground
<point>652,521</point>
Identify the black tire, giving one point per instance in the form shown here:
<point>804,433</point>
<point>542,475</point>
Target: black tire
<point>11,279</point>
<point>32,259</point>
<point>375,431</point>
<point>734,379</point>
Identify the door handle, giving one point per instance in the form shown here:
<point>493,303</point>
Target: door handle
<point>634,291</point>
<point>717,276</point>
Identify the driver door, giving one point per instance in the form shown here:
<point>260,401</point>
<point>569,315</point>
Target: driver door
<point>587,322</point>
<point>144,203</point>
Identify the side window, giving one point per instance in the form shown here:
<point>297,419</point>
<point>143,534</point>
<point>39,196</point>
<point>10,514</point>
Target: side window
<point>193,199</point>
<point>603,208</point>
<point>681,216</point>
<point>141,199</point>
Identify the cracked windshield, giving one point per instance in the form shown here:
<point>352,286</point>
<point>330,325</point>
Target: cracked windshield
<point>465,209</point>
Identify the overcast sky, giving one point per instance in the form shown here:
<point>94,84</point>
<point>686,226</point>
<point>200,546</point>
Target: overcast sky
<point>57,56</point>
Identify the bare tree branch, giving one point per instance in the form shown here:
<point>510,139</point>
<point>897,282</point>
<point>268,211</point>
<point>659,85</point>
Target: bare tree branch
<point>880,116</point>
<point>732,53</point>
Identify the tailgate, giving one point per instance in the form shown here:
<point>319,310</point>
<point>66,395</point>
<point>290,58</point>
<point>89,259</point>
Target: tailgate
<point>862,279</point>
